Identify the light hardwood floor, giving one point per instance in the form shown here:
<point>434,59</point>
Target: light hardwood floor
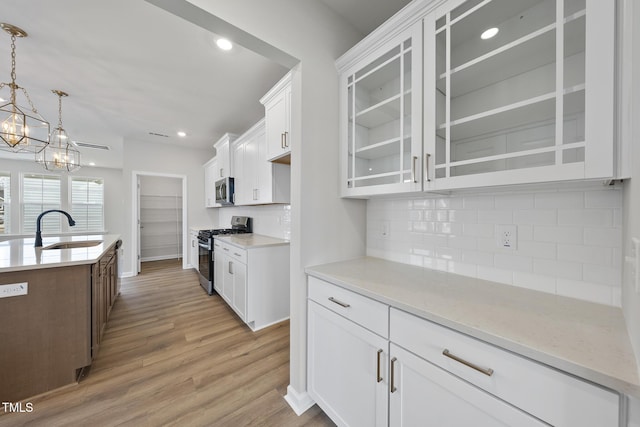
<point>172,355</point>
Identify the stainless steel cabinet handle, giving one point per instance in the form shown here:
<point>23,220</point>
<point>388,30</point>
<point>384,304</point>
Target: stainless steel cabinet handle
<point>487,371</point>
<point>427,156</point>
<point>221,174</point>
<point>225,249</point>
<point>282,140</point>
<point>340,303</point>
<point>379,378</point>
<point>230,267</point>
<point>236,254</point>
<point>413,169</point>
<point>393,375</point>
<point>286,139</point>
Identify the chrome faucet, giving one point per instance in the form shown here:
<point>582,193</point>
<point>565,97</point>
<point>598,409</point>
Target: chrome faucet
<point>39,225</point>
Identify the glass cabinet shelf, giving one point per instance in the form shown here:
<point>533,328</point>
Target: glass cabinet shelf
<point>380,127</point>
<point>513,101</point>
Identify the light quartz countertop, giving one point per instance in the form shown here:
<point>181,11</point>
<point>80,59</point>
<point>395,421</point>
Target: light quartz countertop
<point>582,338</point>
<point>20,254</point>
<point>251,240</point>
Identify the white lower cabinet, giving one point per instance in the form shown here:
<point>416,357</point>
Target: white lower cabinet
<point>343,369</point>
<point>372,365</point>
<point>254,282</point>
<point>424,395</point>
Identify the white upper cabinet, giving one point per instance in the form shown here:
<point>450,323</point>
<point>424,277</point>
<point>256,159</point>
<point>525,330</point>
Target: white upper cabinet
<point>277,108</point>
<point>258,181</point>
<point>427,103</point>
<point>211,172</point>
<point>380,111</point>
<point>223,155</point>
<point>533,103</point>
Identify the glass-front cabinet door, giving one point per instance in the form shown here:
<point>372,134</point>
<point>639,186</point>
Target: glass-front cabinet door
<point>518,91</point>
<point>381,126</point>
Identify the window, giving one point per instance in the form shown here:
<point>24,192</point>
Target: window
<point>5,202</point>
<point>87,203</point>
<point>40,193</point>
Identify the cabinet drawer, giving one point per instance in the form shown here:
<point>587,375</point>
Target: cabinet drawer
<point>555,397</point>
<point>364,311</point>
<point>234,252</point>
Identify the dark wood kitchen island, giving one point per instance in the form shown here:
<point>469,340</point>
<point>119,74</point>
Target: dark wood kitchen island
<point>54,304</point>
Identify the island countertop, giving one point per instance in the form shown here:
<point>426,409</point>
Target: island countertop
<point>20,254</point>
<point>585,339</point>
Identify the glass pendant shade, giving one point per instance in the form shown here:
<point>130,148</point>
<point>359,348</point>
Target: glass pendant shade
<point>21,129</point>
<point>60,154</point>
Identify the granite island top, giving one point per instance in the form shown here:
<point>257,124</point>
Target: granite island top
<point>20,254</point>
<point>582,338</point>
<point>250,240</point>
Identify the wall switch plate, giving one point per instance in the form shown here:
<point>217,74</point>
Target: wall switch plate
<point>14,289</point>
<point>507,236</point>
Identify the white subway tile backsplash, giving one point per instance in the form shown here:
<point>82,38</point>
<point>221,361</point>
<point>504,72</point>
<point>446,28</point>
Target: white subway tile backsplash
<point>478,202</point>
<point>610,237</point>
<point>477,258</point>
<point>537,249</point>
<point>558,234</point>
<point>478,230</point>
<point>536,282</point>
<point>495,274</point>
<point>464,216</point>
<point>587,291</point>
<point>565,199</point>
<point>585,254</point>
<point>495,216</point>
<point>586,217</point>
<point>569,241</point>
<point>603,198</point>
<point>513,262</point>
<point>558,269</point>
<point>602,275</point>
<point>535,216</point>
<point>514,201</point>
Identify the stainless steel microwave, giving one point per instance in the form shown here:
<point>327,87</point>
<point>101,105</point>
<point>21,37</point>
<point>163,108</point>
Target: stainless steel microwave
<point>224,191</point>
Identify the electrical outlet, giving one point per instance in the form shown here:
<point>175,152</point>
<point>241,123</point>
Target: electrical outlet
<point>14,289</point>
<point>635,259</point>
<point>507,236</point>
<point>384,231</point>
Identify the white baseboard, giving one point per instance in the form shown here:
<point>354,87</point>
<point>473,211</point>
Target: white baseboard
<point>299,402</point>
<point>126,274</point>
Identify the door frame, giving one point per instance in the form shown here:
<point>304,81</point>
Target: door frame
<point>135,229</point>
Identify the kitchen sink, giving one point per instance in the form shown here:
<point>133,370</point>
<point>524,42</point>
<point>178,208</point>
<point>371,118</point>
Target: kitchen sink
<point>71,245</point>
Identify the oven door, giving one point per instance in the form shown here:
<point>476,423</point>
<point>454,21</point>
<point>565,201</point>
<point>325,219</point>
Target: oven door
<point>204,266</point>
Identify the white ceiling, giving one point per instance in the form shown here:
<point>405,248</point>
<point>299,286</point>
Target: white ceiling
<point>131,68</point>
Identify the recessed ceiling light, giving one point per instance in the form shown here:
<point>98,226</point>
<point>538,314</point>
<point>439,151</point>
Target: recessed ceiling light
<point>224,44</point>
<point>491,32</point>
<point>92,164</point>
<point>182,134</point>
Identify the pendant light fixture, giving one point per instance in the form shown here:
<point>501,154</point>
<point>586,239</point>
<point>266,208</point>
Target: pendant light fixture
<point>60,154</point>
<point>21,129</point>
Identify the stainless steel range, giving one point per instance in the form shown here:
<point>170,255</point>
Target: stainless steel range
<point>239,225</point>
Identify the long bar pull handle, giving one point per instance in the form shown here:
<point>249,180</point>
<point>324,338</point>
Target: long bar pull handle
<point>286,139</point>
<point>487,371</point>
<point>282,138</point>
<point>340,303</point>
<point>413,169</point>
<point>230,267</point>
<point>393,375</point>
<point>427,156</point>
<point>379,377</point>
